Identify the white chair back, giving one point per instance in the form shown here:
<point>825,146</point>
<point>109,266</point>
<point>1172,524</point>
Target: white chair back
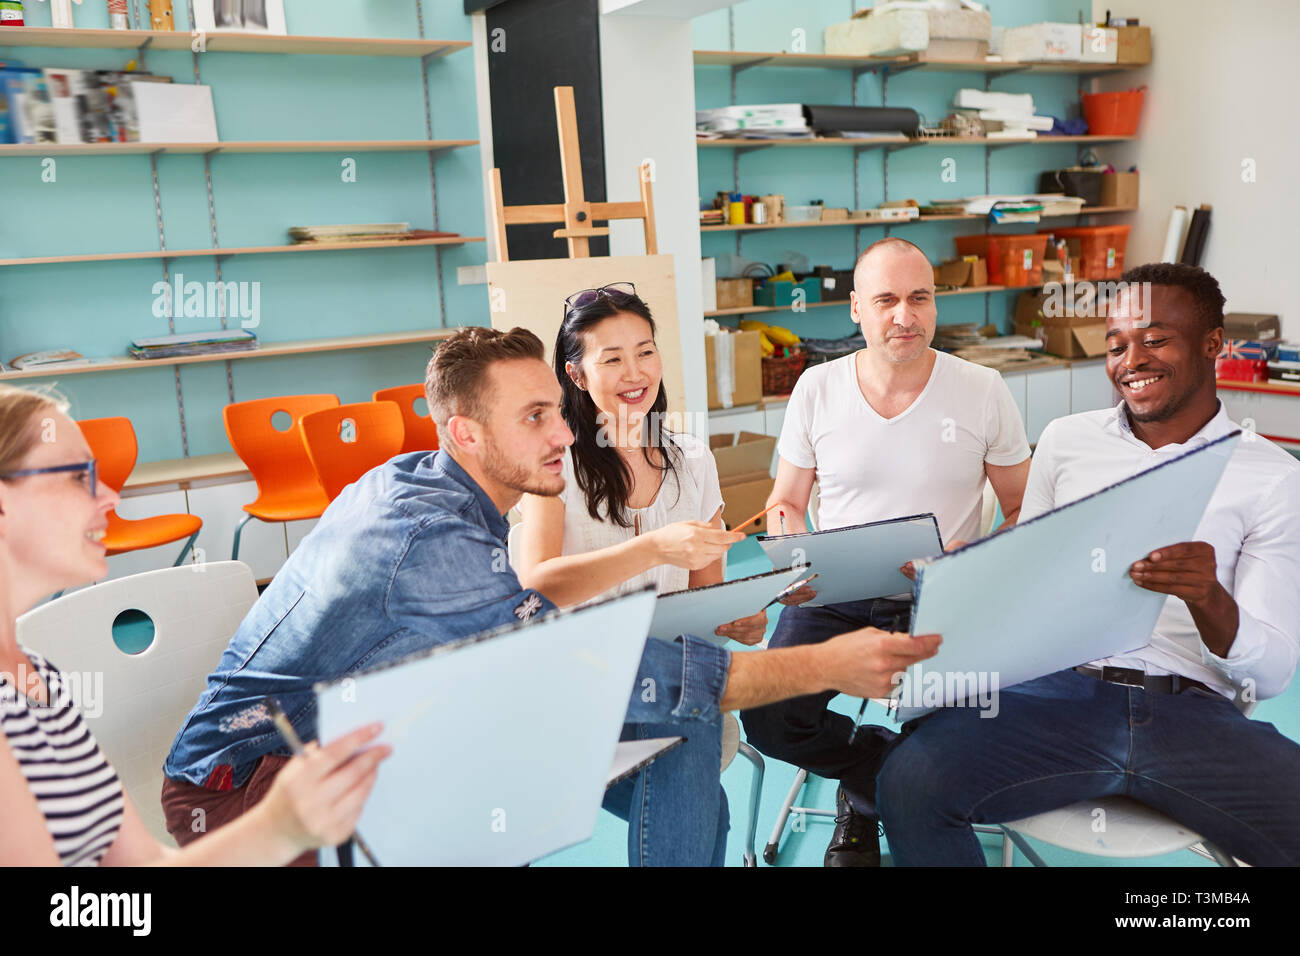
<point>814,506</point>
<point>137,710</point>
<point>988,509</point>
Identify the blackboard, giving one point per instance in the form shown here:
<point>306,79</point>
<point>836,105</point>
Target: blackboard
<point>533,47</point>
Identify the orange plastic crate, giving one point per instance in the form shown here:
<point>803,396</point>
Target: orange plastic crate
<point>1101,249</point>
<point>1013,260</point>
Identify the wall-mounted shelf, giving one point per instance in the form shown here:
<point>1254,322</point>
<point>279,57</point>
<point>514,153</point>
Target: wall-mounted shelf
<point>226,42</point>
<point>902,142</point>
<point>897,64</point>
<point>971,290</point>
<point>246,146</point>
<point>759,227</point>
<point>244,251</point>
<point>121,363</point>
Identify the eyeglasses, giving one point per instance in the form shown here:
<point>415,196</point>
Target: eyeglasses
<point>89,477</point>
<point>614,291</point>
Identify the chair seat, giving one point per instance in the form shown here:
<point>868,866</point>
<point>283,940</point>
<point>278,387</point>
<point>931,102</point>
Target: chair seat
<point>288,507</point>
<point>1132,829</point>
<point>730,739</point>
<point>134,534</point>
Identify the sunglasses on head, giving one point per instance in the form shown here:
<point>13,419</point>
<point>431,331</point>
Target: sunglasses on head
<point>88,477</point>
<point>615,292</point>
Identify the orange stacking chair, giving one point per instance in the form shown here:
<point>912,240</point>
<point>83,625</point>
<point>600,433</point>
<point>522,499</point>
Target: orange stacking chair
<point>344,443</point>
<point>112,442</point>
<point>287,487</point>
<point>421,432</point>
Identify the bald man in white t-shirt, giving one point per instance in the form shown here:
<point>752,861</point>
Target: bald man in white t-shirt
<point>895,429</point>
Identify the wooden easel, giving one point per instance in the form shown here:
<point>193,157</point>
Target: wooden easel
<point>576,214</point>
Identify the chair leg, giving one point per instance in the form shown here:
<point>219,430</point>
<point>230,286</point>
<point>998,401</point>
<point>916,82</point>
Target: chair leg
<point>239,530</point>
<point>1221,858</point>
<point>185,551</point>
<point>1023,846</point>
<point>769,851</point>
<point>755,795</point>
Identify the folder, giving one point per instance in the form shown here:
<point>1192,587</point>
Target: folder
<point>1054,592</point>
<point>701,611</point>
<point>859,562</point>
<point>503,743</point>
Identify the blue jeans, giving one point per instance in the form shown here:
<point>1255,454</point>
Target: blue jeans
<point>1068,737</point>
<point>676,810</point>
<point>802,731</point>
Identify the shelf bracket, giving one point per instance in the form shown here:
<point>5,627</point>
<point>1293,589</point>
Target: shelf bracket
<point>140,51</point>
<point>737,68</point>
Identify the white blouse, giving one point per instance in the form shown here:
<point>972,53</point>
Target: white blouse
<point>691,493</point>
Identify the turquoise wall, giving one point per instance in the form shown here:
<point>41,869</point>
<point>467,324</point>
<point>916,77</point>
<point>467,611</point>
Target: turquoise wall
<point>106,204</point>
<point>827,173</point>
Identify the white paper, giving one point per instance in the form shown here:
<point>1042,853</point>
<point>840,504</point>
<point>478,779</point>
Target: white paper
<point>701,611</point>
<point>860,562</point>
<point>502,744</point>
<point>175,112</point>
<point>1055,592</point>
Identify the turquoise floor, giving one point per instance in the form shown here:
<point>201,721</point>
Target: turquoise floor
<point>608,846</point>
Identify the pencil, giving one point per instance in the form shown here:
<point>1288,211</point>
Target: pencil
<point>282,724</point>
<point>757,516</point>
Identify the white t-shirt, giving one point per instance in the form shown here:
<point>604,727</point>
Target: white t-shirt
<point>929,458</point>
<point>690,493</point>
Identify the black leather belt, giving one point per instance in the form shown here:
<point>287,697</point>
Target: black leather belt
<point>1131,677</point>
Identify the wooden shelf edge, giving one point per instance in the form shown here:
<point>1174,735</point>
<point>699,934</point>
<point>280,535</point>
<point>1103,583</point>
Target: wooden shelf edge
<point>234,147</point>
<point>753,227</point>
<point>270,350</point>
<point>242,251</point>
<point>905,141</point>
<point>906,62</point>
<point>227,42</point>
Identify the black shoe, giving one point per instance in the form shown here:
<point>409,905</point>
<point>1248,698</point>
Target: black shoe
<point>856,841</point>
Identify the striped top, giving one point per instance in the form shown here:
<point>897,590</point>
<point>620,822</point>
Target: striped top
<point>74,785</point>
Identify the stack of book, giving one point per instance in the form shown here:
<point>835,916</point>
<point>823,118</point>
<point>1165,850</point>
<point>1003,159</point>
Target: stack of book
<point>54,105</point>
<point>1003,115</point>
<point>769,121</point>
<point>193,343</point>
<point>363,232</point>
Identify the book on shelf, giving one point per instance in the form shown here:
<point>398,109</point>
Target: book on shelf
<point>363,232</point>
<point>193,343</point>
<point>66,106</point>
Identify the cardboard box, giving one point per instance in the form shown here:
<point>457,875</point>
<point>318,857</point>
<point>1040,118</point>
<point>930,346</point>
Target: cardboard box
<point>734,293</point>
<point>1133,45</point>
<point>835,213</point>
<point>1251,325</point>
<point>1100,45</point>
<point>1119,189</point>
<point>1066,336</point>
<point>962,272</point>
<point>747,369</point>
<point>744,464</point>
<point>1043,41</point>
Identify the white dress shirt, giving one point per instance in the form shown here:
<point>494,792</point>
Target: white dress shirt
<point>1253,522</point>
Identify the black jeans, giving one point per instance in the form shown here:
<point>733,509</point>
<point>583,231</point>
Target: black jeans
<point>802,731</point>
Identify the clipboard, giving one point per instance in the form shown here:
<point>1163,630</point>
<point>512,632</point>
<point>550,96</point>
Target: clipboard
<point>859,562</point>
<point>1054,592</point>
<point>503,743</point>
<point>700,611</point>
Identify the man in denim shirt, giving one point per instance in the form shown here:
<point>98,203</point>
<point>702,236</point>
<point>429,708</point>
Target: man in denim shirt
<point>413,555</point>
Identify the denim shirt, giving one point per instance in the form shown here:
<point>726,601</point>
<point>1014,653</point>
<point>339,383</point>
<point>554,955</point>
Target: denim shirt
<point>410,556</point>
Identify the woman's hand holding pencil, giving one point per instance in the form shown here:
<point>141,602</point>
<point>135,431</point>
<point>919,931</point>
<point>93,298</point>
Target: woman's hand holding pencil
<point>317,798</point>
<point>691,544</point>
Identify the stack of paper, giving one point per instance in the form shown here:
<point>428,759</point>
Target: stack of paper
<point>193,343</point>
<point>765,121</point>
<point>1004,115</point>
